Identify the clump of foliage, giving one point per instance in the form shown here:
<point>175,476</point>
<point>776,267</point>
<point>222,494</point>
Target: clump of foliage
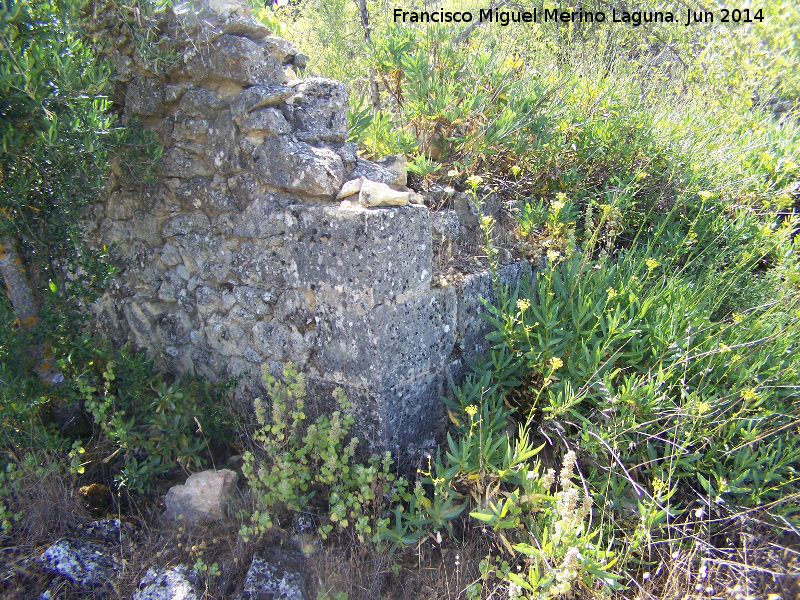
<point>655,188</point>
<point>301,467</point>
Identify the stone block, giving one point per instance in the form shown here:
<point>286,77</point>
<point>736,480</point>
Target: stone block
<point>236,59</point>
<point>374,172</point>
<point>318,110</point>
<point>201,103</point>
<point>145,97</point>
<point>222,150</point>
<point>169,584</point>
<point>84,563</point>
<point>287,164</point>
<point>386,251</point>
<point>389,344</point>
<point>258,96</point>
<point>401,418</point>
<point>203,193</point>
<point>262,219</point>
<point>269,120</point>
<point>471,291</point>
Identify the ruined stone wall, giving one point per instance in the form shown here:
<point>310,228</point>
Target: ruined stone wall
<point>241,255</point>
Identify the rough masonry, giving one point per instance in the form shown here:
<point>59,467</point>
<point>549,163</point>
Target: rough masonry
<point>241,255</point>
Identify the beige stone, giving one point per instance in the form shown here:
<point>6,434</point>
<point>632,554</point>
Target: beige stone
<point>379,194</point>
<point>350,188</point>
<point>202,498</point>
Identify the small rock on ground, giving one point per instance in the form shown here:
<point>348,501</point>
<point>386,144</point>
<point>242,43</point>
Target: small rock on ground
<point>84,563</point>
<point>276,574</point>
<point>177,583</point>
<point>202,498</point>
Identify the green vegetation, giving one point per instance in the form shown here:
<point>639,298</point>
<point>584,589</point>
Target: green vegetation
<point>657,346</point>
<point>69,401</point>
<point>651,362</point>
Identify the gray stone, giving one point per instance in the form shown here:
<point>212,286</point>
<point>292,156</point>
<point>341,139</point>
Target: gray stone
<point>255,265</point>
<point>178,162</point>
<point>278,47</point>
<point>276,574</point>
<point>175,92</point>
<point>269,120</point>
<point>122,64</point>
<point>262,219</point>
<point>271,339</point>
<point>349,154</point>
<point>259,96</point>
<point>201,103</point>
<point>201,193</point>
<point>286,164</point>
<point>175,583</point>
<point>471,291</point>
<point>188,128</point>
<point>374,172</point>
<point>249,28</point>
<point>223,336</point>
<point>234,58</point>
<point>244,188</point>
<point>446,226</point>
<point>202,498</point>
<point>296,306</point>
<point>397,165</point>
<point>84,563</point>
<point>318,110</point>
<point>112,531</point>
<point>222,150</point>
<point>389,344</point>
<point>119,206</point>
<point>257,301</point>
<point>145,97</point>
<point>184,224</point>
<point>384,252</point>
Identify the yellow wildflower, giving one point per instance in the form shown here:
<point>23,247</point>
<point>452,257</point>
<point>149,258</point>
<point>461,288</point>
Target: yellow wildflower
<point>556,363</point>
<point>738,317</point>
<point>523,304</point>
<point>749,395</point>
<point>612,293</point>
<point>651,263</point>
<point>553,256</point>
<point>471,410</point>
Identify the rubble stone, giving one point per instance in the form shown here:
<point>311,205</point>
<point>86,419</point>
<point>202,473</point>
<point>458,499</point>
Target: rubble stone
<point>202,498</point>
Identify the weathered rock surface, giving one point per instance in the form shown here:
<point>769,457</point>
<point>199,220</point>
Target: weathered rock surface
<point>375,172</point>
<point>374,194</point>
<point>350,188</point>
<point>176,583</point>
<point>202,498</point>
<point>276,574</point>
<point>318,110</point>
<point>82,562</point>
<point>241,256</point>
<point>446,226</point>
<point>112,531</point>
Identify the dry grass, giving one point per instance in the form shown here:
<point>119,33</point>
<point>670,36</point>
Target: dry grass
<point>746,558</point>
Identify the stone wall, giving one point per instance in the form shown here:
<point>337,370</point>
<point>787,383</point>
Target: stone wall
<point>241,255</point>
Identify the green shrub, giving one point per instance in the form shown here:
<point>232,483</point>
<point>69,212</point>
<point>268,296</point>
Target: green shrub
<point>295,462</point>
<point>152,426</point>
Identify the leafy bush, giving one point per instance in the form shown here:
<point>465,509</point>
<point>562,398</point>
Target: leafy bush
<point>150,425</point>
<point>297,462</point>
